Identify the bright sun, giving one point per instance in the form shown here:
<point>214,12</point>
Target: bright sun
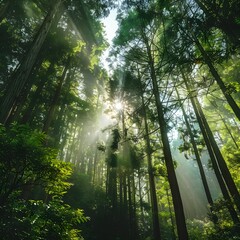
<point>118,105</point>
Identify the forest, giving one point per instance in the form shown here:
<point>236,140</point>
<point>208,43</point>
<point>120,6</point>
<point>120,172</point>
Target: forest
<point>142,145</point>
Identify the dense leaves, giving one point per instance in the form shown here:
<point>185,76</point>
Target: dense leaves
<point>154,143</point>
<point>27,165</point>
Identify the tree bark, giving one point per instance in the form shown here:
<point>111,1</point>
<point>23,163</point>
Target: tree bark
<point>221,162</point>
<point>224,21</point>
<point>20,76</point>
<point>55,100</point>
<point>154,203</point>
<point>225,124</point>
<point>218,174</point>
<point>176,196</point>
<point>198,159</point>
<point>213,156</point>
<point>4,9</point>
<point>218,79</point>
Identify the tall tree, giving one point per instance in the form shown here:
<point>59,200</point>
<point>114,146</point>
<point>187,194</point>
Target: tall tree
<point>20,76</point>
<point>140,32</point>
<point>216,162</point>
<point>198,159</point>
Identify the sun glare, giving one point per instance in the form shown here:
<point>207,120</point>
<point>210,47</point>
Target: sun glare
<point>118,105</point>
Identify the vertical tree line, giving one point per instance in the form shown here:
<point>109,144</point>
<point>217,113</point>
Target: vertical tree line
<point>170,100</point>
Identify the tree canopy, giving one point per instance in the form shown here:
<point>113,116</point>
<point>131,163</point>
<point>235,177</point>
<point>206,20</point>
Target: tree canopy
<point>146,148</point>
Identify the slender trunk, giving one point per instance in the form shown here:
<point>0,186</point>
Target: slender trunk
<point>4,9</point>
<point>218,174</point>
<point>221,162</point>
<point>213,157</point>
<point>130,208</point>
<point>55,100</point>
<point>95,161</point>
<point>154,203</point>
<point>20,102</point>
<point>218,79</point>
<point>236,124</point>
<point>120,191</point>
<point>35,99</point>
<point>71,145</point>
<point>140,196</point>
<point>229,131</point>
<point>177,200</point>
<point>198,159</point>
<point>225,124</point>
<point>107,180</point>
<point>22,73</point>
<point>171,215</point>
<point>59,126</point>
<point>124,192</point>
<point>113,188</point>
<point>135,225</point>
<point>90,164</point>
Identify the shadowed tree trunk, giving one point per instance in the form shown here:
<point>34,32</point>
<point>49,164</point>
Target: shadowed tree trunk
<point>198,159</point>
<point>4,9</point>
<point>218,79</point>
<point>223,20</point>
<point>56,97</point>
<point>177,200</point>
<point>221,162</point>
<point>213,156</point>
<point>154,203</point>
<point>21,75</point>
<point>225,124</point>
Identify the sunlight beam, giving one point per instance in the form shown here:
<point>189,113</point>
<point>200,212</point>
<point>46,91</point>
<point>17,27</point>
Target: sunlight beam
<point>118,105</point>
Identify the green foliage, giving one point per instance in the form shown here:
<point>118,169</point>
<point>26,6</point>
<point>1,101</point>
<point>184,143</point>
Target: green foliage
<point>79,47</point>
<point>206,230</point>
<point>25,165</point>
<point>101,147</point>
<point>25,161</point>
<point>160,170</point>
<point>129,29</point>
<point>34,219</point>
<point>95,56</point>
<point>132,25</point>
<point>197,229</point>
<point>105,222</point>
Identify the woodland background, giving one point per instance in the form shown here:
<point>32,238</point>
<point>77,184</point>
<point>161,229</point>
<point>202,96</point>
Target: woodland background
<point>148,149</point>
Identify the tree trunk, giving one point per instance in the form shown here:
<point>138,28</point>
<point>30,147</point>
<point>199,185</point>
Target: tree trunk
<point>226,23</point>
<point>20,76</point>
<point>154,203</point>
<point>177,200</point>
<point>130,209</point>
<point>213,157</point>
<point>198,159</point>
<point>229,131</point>
<point>70,148</point>
<point>55,100</point>
<point>218,174</point>
<point>140,197</point>
<point>22,100</point>
<point>135,222</point>
<point>225,124</point>
<point>218,79</point>
<point>221,162</point>
<point>35,98</point>
<point>4,9</point>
